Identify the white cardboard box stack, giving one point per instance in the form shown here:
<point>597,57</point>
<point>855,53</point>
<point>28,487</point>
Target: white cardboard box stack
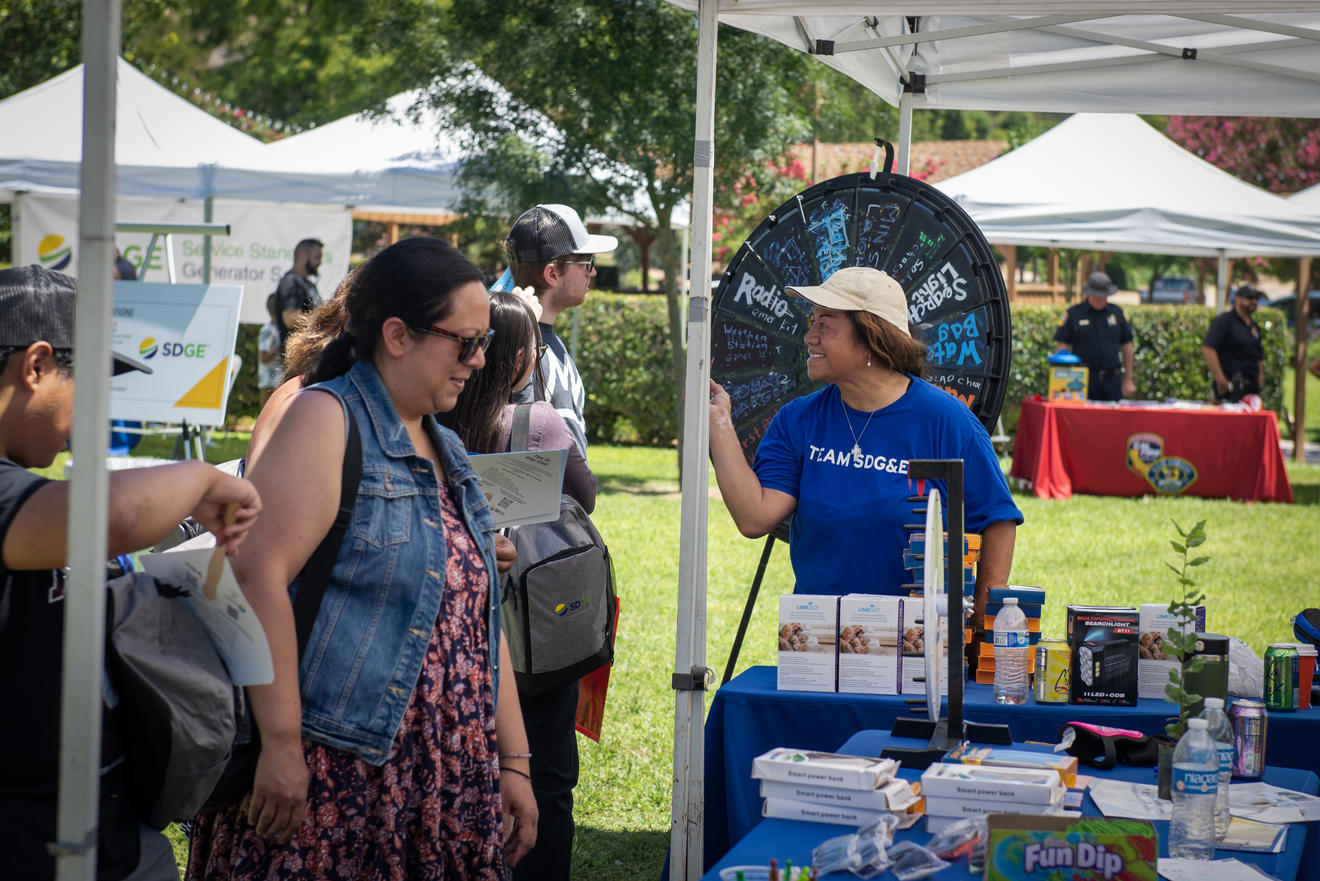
<point>828,788</point>
<point>868,643</point>
<point>954,791</point>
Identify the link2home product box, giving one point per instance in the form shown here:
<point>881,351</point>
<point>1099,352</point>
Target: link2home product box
<point>912,649</point>
<point>1152,664</point>
<point>868,644</point>
<point>1103,642</point>
<point>808,642</point>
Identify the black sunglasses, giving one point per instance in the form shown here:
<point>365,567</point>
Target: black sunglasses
<point>467,345</point>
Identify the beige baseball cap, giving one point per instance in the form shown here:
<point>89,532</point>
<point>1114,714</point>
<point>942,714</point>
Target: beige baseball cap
<point>861,289</point>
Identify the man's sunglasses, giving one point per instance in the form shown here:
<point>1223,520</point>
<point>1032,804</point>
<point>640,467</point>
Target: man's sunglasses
<point>590,262</point>
<point>467,345</point>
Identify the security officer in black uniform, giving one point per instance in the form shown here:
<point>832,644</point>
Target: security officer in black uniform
<point>1098,334</point>
<point>1232,349</point>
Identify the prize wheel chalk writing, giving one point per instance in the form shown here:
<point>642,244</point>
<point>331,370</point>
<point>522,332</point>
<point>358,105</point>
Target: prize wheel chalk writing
<point>957,304</point>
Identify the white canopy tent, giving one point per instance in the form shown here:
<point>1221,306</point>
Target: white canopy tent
<point>1194,57</point>
<point>1109,181</point>
<point>1309,199</point>
<point>406,159</point>
<point>163,143</point>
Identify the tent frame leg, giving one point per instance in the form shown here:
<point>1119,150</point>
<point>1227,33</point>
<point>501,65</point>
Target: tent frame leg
<point>747,609</point>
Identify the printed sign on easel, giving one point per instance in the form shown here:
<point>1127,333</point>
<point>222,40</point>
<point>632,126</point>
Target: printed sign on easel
<point>186,334</point>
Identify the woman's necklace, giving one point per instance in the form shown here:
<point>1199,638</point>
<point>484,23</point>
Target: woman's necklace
<point>857,438</point>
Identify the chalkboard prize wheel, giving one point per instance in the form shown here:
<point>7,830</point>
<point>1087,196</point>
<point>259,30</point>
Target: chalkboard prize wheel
<point>957,304</point>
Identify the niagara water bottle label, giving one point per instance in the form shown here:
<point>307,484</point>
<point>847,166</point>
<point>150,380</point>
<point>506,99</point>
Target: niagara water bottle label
<point>1013,639</point>
<point>1193,780</point>
<point>1225,757</point>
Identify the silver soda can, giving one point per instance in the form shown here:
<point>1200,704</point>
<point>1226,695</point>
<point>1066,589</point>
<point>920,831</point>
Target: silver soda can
<point>1250,722</point>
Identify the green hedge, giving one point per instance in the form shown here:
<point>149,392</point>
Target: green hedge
<point>624,357</point>
<point>244,401</point>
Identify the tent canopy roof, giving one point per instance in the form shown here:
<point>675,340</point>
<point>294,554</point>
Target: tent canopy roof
<point>154,126</point>
<point>1111,181</point>
<point>1207,58</point>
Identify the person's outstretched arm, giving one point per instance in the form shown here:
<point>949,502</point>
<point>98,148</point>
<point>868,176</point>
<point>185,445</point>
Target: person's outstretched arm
<point>145,505</point>
<point>754,509</point>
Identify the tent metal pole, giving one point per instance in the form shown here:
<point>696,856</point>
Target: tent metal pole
<point>690,672</point>
<point>1221,281</point>
<point>903,161</point>
<point>84,607</point>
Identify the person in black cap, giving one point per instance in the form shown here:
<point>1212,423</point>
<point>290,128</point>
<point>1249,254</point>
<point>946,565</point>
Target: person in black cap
<point>145,504</point>
<point>553,254</point>
<point>1098,333</point>
<point>1233,351</point>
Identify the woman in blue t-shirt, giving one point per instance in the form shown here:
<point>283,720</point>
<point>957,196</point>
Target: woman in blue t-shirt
<point>837,459</point>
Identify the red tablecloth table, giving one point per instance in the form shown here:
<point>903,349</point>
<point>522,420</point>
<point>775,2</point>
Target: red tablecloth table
<point>1066,448</point>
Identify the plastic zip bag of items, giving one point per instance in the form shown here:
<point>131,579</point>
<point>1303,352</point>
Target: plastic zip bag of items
<point>862,852</point>
<point>959,838</point>
<point>912,861</point>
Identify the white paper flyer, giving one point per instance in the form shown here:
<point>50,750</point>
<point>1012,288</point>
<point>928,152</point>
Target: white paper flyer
<point>212,594</point>
<point>522,487</point>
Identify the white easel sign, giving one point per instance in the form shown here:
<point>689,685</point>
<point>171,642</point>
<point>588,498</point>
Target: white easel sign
<point>186,334</point>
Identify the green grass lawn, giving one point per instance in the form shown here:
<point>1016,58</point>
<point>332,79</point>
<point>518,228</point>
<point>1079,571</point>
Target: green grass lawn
<point>1083,550</point>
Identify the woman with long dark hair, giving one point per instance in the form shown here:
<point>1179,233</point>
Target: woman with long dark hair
<point>389,751</point>
<point>483,416</point>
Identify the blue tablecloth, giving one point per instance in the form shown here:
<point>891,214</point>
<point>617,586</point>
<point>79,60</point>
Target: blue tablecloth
<point>749,716</point>
<point>790,840</point>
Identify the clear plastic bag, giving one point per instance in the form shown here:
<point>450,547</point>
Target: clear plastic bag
<point>862,852</point>
<point>1246,671</point>
<point>912,861</point>
<point>958,839</point>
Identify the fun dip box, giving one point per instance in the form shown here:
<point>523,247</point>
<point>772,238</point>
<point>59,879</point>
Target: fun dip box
<point>868,644</point>
<point>808,637</point>
<point>1152,665</point>
<point>1042,848</point>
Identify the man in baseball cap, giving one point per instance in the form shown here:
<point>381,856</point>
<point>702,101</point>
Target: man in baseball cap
<point>144,506</point>
<point>1098,332</point>
<point>552,253</point>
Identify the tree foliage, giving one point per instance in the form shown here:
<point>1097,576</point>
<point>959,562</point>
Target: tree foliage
<point>595,106</point>
<point>1276,154</point>
<point>293,60</point>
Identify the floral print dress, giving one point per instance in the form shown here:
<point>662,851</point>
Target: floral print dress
<point>432,811</point>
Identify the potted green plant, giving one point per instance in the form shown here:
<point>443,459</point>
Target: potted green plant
<point>1180,642</point>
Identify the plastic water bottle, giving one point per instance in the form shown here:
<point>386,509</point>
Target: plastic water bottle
<point>1195,784</point>
<point>1012,654</point>
<point>1222,734</point>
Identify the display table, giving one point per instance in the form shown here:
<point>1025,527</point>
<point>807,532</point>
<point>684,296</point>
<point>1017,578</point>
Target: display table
<point>749,716</point>
<point>1066,448</point>
<point>790,840</point>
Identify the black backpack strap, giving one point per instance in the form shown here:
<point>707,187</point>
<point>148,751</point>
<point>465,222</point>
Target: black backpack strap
<point>522,428</point>
<point>315,574</point>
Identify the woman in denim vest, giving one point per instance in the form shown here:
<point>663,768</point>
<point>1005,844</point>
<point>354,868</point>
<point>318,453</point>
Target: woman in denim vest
<point>389,750</point>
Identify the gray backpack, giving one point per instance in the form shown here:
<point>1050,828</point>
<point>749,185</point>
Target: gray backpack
<point>558,599</point>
